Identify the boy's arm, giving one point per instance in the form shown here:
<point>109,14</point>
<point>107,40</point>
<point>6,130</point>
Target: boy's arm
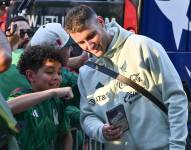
<point>23,102</point>
<point>5,53</point>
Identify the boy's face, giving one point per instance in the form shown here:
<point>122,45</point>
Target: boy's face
<point>93,38</point>
<point>47,77</point>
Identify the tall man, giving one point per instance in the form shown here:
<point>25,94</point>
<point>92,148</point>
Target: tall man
<point>145,62</point>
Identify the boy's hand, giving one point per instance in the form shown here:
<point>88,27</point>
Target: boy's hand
<point>65,92</point>
<point>111,132</point>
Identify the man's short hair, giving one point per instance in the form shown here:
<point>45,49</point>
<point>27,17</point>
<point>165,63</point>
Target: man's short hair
<point>75,20</point>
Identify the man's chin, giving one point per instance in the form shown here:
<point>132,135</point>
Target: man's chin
<point>98,54</point>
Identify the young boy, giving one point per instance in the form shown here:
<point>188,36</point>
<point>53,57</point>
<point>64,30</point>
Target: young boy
<point>42,113</point>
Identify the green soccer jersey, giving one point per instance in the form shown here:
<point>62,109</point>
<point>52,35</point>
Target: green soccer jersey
<point>41,123</point>
<point>11,79</point>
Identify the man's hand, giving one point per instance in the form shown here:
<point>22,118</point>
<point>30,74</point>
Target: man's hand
<point>13,36</point>
<point>111,132</point>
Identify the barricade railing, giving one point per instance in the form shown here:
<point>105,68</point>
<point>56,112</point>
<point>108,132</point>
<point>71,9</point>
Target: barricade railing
<point>83,142</point>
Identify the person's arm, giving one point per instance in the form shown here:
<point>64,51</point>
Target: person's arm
<point>67,141</point>
<point>168,82</point>
<point>23,102</point>
<point>90,122</point>
<point>78,61</point>
<point>5,53</point>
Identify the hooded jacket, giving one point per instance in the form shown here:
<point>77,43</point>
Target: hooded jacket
<point>145,62</point>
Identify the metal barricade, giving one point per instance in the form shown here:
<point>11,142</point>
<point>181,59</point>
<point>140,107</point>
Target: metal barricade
<point>83,142</point>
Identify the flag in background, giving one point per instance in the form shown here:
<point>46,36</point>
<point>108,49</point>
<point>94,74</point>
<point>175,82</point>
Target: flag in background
<point>168,22</point>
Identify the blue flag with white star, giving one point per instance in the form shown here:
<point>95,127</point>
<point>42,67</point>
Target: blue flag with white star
<point>168,22</point>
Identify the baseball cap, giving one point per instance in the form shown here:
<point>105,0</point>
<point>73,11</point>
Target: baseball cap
<point>52,33</point>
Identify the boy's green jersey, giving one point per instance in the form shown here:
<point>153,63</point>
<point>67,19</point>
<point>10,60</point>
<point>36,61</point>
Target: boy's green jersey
<point>41,123</point>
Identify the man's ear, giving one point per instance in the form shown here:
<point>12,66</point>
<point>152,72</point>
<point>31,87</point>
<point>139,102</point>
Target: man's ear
<point>30,75</point>
<point>101,20</point>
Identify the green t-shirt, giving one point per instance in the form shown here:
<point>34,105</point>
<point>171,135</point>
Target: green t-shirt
<point>12,79</point>
<point>41,123</point>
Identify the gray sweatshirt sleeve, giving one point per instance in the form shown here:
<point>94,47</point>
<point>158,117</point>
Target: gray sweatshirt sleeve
<point>90,123</point>
<point>173,95</point>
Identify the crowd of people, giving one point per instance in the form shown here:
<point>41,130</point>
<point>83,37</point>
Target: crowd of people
<point>42,99</point>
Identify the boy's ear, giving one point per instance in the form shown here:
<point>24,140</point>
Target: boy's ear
<point>30,75</point>
<point>101,20</point>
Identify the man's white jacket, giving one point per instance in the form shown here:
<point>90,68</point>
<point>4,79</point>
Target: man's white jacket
<point>145,62</point>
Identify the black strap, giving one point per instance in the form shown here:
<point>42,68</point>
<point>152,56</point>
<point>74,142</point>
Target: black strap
<point>129,82</point>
